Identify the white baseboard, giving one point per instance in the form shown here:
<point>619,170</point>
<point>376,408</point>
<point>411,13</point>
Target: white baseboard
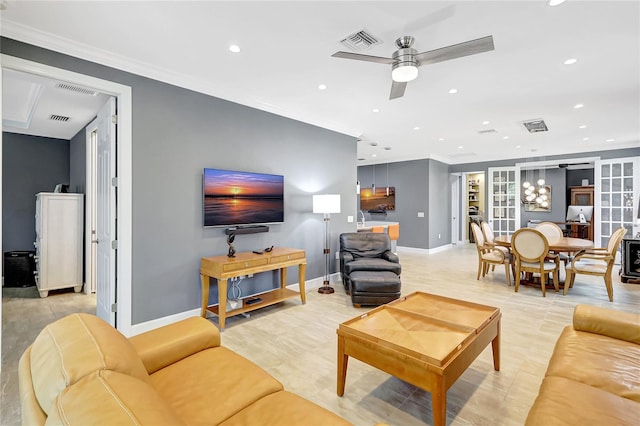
<point>425,251</point>
<point>309,285</point>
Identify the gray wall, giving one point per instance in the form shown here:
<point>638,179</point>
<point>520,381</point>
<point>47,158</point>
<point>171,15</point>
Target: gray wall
<point>30,164</point>
<point>177,133</point>
<point>439,204</point>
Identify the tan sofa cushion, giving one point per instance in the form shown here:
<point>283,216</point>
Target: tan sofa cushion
<point>71,348</point>
<point>619,325</point>
<point>226,381</point>
<point>284,408</point>
<point>166,345</point>
<point>564,402</point>
<point>109,398</point>
<point>611,365</point>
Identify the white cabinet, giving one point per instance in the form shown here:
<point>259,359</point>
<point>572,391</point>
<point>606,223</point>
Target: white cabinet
<point>59,226</point>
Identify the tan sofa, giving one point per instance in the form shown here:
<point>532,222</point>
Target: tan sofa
<point>593,377</point>
<point>81,371</point>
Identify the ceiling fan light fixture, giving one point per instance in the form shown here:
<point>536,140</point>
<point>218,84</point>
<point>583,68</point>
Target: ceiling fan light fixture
<point>404,72</point>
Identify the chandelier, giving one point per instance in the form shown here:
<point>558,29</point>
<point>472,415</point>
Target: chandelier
<point>536,195</point>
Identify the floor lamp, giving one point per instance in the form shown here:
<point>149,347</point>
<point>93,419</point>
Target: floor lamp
<point>326,204</point>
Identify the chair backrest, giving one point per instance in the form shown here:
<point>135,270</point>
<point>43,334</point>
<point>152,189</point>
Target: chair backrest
<point>477,235</point>
<point>615,240</point>
<point>529,245</point>
<point>377,229</point>
<point>365,244</point>
<point>550,230</point>
<point>488,232</point>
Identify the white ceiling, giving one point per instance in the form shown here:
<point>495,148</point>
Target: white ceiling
<point>286,54</point>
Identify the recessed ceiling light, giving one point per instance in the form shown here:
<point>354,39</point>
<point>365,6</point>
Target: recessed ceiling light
<point>460,147</point>
<point>570,61</point>
<point>578,106</point>
<point>506,137</point>
<point>611,140</point>
<point>416,128</point>
<point>584,126</point>
<point>376,110</point>
<point>585,139</point>
<point>452,91</point>
<point>517,146</point>
<point>387,148</point>
<point>555,2</point>
<point>485,122</point>
<point>373,143</point>
<point>373,155</point>
<point>234,48</point>
<point>441,139</point>
<point>322,86</point>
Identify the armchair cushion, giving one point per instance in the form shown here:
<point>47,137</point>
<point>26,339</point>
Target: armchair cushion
<point>372,264</point>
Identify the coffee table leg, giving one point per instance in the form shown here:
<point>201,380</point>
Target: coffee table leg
<point>495,346</point>
<point>439,403</point>
<point>343,360</point>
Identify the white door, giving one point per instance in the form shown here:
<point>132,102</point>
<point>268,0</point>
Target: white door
<point>455,180</point>
<point>105,203</point>
<point>617,189</point>
<point>504,199</point>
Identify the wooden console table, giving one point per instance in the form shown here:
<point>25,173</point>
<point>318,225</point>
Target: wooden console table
<point>222,268</point>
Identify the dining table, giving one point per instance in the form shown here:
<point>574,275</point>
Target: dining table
<point>560,245</point>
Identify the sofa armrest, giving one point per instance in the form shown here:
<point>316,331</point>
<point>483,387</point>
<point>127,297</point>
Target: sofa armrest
<point>390,256</point>
<point>346,257</point>
<point>607,322</point>
<point>166,345</point>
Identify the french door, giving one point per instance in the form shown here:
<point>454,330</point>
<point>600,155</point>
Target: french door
<point>617,193</point>
<point>504,208</point>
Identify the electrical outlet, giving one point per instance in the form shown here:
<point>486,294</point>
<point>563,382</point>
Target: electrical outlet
<point>337,255</point>
<point>420,214</point>
<point>439,236</point>
<point>350,219</point>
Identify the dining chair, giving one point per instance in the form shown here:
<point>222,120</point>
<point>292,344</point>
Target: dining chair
<point>531,250</point>
<point>553,232</point>
<point>489,255</point>
<point>377,229</point>
<point>597,261</point>
<point>489,239</point>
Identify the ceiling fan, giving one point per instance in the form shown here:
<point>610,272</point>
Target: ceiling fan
<point>406,60</point>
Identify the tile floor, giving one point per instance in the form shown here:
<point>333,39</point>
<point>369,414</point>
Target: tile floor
<point>297,343</point>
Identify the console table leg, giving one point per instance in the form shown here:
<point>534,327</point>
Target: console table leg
<point>495,346</point>
<point>283,277</point>
<point>301,275</point>
<point>204,281</point>
<point>439,403</point>
<point>222,302</point>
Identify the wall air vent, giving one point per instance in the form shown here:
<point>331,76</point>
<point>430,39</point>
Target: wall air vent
<point>76,89</point>
<point>60,118</point>
<point>360,41</point>
<point>486,132</point>
<point>535,126</point>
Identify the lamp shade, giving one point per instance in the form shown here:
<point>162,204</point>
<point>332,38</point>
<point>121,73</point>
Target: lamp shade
<point>326,203</point>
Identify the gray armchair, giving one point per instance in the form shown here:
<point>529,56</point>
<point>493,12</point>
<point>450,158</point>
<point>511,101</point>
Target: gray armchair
<point>370,270</point>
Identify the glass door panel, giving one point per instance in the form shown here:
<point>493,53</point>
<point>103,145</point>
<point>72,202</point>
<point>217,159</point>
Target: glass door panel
<point>504,212</point>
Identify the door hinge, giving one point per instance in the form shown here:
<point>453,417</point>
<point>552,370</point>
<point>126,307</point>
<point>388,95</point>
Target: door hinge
<point>114,119</point>
<point>114,244</point>
<point>114,307</point>
<point>114,181</point>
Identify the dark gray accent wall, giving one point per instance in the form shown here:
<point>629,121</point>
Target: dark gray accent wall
<point>30,164</point>
<point>78,163</point>
<point>411,180</point>
<point>176,134</point>
<point>556,179</point>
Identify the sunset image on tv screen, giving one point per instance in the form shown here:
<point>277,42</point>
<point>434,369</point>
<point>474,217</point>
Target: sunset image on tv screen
<point>235,198</point>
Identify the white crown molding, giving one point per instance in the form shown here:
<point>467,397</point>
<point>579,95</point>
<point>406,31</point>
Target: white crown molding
<point>36,37</point>
<point>440,158</point>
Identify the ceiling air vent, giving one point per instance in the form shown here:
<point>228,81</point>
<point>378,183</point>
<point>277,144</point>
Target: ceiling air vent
<point>535,126</point>
<point>76,89</point>
<point>360,41</point>
<point>61,118</point>
<point>485,132</point>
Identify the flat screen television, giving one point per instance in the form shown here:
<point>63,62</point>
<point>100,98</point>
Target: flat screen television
<point>241,198</point>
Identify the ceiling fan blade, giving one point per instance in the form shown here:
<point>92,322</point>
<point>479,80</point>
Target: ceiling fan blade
<point>459,50</point>
<point>397,89</point>
<point>359,57</point>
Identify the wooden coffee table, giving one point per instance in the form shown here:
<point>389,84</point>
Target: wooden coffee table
<point>423,339</point>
